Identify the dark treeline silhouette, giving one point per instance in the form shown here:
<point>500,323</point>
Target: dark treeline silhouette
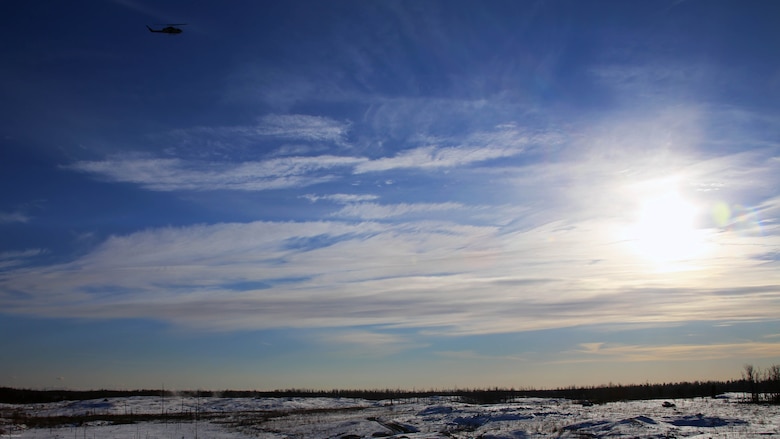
<point>761,385</point>
<point>597,394</point>
<point>758,386</point>
<point>10,395</point>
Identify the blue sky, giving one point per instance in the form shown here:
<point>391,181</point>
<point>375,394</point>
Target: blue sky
<point>405,194</point>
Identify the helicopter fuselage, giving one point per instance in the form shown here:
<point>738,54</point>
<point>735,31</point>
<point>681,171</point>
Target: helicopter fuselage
<point>166,30</point>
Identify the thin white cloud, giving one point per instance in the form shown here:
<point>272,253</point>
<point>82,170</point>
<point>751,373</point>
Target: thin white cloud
<point>675,352</point>
<point>365,338</point>
<point>193,170</point>
<point>503,141</point>
<point>176,174</point>
<point>591,347</point>
<point>555,261</point>
<point>302,127</point>
<point>341,198</point>
<point>452,279</point>
<point>658,78</point>
<point>595,175</point>
<point>383,211</point>
<point>644,76</point>
<point>273,135</point>
<point>10,259</point>
<point>13,217</point>
<point>140,7</point>
<point>283,88</point>
<point>436,157</point>
<point>363,342</point>
<point>169,174</point>
<point>472,355</point>
<point>21,254</point>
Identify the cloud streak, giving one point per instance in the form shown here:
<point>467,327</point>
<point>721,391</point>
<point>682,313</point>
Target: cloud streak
<point>10,259</point>
<point>341,198</point>
<point>13,217</point>
<point>435,157</point>
<point>279,171</point>
<point>303,127</point>
<point>676,352</point>
<point>160,174</point>
<point>361,343</point>
<point>541,246</point>
<point>504,141</point>
<point>379,211</point>
<point>449,278</point>
<point>269,128</point>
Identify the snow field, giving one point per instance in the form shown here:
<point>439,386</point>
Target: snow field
<point>437,417</point>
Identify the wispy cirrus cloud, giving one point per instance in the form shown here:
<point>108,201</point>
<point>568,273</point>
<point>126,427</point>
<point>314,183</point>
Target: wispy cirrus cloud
<point>642,78</point>
<point>554,261</point>
<point>472,355</point>
<point>302,127</point>
<point>13,217</point>
<point>369,342</point>
<point>431,157</point>
<point>10,259</point>
<point>379,211</point>
<point>282,134</point>
<point>359,206</point>
<point>503,141</point>
<point>139,7</point>
<point>163,174</point>
<point>170,174</point>
<point>674,352</point>
<point>447,278</point>
<point>340,198</point>
<point>474,144</point>
<point>299,127</point>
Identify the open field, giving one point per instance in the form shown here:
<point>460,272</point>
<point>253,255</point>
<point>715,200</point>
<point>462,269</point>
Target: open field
<point>149,417</point>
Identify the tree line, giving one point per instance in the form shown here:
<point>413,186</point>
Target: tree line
<point>759,386</point>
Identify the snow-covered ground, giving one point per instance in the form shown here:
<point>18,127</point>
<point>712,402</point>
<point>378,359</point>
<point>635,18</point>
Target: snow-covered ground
<point>442,417</point>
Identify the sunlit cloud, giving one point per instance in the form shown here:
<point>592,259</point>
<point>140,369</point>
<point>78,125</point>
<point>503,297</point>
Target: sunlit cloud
<point>395,177</point>
<point>549,254</point>
<point>436,157</point>
<point>472,355</point>
<point>380,211</point>
<point>452,279</point>
<point>362,342</point>
<point>448,152</point>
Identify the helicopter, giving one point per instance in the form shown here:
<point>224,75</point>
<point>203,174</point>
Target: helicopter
<point>170,29</point>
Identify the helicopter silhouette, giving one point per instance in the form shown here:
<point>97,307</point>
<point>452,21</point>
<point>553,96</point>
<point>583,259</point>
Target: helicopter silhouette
<point>170,29</point>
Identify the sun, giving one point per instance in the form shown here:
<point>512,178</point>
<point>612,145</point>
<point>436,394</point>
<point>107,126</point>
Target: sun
<point>664,231</point>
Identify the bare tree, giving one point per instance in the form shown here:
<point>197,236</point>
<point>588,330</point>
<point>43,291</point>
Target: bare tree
<point>750,376</point>
<point>773,379</point>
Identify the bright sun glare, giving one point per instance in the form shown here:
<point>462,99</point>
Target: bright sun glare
<point>665,230</point>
